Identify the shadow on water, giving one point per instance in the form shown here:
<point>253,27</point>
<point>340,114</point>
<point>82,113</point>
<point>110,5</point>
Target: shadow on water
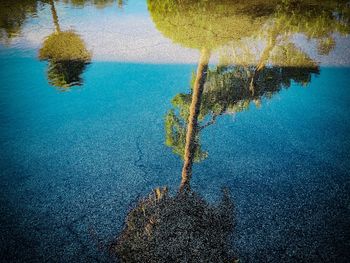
<point>180,228</point>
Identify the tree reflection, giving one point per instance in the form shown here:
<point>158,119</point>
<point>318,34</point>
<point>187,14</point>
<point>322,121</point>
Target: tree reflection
<point>246,73</point>
<point>203,25</point>
<point>13,14</point>
<point>184,228</point>
<point>66,54</point>
<point>243,76</point>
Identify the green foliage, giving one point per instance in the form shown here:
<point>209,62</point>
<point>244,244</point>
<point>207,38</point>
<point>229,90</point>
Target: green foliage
<point>325,45</point>
<point>209,24</point>
<point>67,57</point>
<point>229,89</point>
<point>61,46</point>
<point>180,228</point>
<point>288,55</point>
<point>175,135</point>
<point>313,18</point>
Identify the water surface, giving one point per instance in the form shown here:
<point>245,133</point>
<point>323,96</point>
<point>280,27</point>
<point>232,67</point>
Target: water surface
<point>92,126</point>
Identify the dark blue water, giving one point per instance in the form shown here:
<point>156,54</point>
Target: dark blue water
<point>73,163</point>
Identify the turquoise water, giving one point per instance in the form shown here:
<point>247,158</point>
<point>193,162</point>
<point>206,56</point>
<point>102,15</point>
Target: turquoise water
<point>75,161</point>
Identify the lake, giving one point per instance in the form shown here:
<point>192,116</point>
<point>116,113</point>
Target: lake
<point>174,131</point>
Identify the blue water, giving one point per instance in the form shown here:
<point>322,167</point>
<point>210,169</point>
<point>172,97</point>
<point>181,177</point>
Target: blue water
<point>73,163</point>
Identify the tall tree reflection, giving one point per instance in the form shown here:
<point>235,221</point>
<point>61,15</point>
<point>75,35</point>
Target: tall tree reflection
<point>247,72</point>
<point>208,26</point>
<point>183,227</point>
<point>180,228</point>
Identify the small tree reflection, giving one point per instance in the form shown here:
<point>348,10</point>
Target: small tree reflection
<point>66,54</point>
